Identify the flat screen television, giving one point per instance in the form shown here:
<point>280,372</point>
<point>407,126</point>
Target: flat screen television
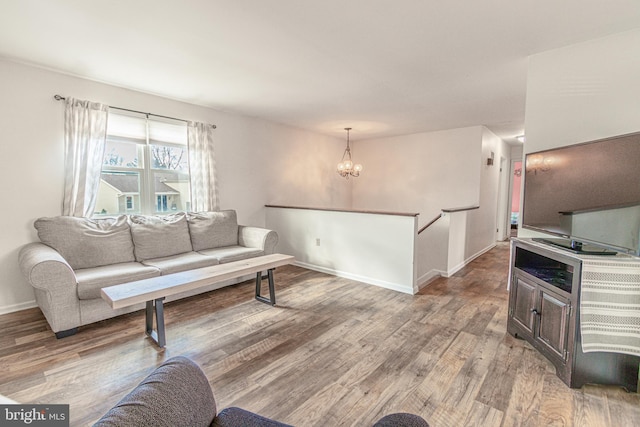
<point>586,195</point>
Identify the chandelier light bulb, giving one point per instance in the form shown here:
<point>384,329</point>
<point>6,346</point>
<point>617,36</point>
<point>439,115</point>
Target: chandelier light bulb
<point>357,167</point>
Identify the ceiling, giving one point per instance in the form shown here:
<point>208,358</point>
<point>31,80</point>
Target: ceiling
<point>382,67</point>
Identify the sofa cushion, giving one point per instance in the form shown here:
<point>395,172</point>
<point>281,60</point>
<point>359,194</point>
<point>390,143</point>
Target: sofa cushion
<point>181,262</point>
<point>232,253</point>
<point>91,280</point>
<point>213,229</point>
<point>86,243</point>
<point>157,236</point>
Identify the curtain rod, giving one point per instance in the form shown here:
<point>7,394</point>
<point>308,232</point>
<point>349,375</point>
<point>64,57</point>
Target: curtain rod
<point>62,98</point>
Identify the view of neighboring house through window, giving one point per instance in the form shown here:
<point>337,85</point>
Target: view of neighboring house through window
<point>145,167</point>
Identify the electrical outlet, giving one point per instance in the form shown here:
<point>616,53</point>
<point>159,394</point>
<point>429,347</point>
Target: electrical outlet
<point>317,242</point>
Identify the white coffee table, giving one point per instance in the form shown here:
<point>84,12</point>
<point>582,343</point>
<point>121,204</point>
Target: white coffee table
<point>153,291</point>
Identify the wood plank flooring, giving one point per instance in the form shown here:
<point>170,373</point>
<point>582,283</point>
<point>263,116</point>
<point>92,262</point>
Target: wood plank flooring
<point>334,352</point>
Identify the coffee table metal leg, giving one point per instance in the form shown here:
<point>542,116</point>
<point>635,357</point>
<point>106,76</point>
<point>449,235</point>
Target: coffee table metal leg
<point>258,284</point>
<point>272,289</point>
<point>158,335</point>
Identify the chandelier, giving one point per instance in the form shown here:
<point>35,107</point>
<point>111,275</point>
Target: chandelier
<point>346,167</point>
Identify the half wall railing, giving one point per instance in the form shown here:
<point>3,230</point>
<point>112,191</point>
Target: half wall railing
<point>445,211</point>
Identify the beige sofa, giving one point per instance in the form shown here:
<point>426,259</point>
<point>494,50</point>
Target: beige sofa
<point>76,257</point>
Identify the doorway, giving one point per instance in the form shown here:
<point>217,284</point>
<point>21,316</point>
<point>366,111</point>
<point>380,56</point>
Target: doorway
<point>514,197</point>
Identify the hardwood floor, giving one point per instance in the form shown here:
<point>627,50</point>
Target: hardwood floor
<point>333,352</point>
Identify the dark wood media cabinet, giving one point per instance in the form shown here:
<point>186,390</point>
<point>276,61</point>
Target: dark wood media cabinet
<point>544,309</point>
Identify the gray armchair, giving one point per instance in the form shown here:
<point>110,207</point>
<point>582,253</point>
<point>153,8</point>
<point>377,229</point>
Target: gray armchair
<point>178,394</point>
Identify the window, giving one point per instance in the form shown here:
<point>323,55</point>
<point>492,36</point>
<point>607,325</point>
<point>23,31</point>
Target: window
<point>162,203</point>
<point>145,167</point>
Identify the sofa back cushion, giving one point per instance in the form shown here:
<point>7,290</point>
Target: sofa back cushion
<point>86,243</point>
<point>213,229</point>
<point>157,236</point>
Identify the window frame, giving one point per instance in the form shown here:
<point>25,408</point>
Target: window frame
<point>146,172</point>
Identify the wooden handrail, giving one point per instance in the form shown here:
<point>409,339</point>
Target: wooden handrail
<point>466,208</point>
<point>344,210</point>
<point>430,223</point>
<point>448,210</point>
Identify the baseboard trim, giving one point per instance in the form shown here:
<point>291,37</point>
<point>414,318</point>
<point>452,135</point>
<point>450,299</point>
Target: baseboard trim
<point>463,264</point>
<point>426,279</point>
<point>423,280</point>
<point>6,309</point>
<point>369,280</point>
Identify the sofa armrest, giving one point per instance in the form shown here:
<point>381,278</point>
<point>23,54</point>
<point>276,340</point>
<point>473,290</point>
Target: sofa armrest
<point>175,394</point>
<point>54,283</point>
<point>256,237</point>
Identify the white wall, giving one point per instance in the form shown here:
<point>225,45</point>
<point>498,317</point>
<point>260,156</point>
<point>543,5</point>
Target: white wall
<point>428,172</point>
<point>583,92</point>
<point>432,247</point>
<point>517,152</point>
<point>258,162</point>
<point>483,223</point>
<point>372,248</point>
<point>423,172</point>
<point>442,247</point>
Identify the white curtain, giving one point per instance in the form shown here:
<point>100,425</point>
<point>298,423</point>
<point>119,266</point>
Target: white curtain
<point>202,167</point>
<point>85,130</point>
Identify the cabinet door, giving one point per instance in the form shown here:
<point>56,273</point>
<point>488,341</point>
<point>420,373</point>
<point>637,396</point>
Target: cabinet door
<point>524,303</point>
<point>553,322</point>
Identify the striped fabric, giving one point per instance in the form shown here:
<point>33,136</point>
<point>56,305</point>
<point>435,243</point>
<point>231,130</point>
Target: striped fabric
<point>610,304</point>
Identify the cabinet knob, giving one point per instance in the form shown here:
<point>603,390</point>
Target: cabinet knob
<point>534,311</point>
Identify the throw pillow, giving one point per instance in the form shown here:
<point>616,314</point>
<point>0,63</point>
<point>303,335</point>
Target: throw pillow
<point>213,229</point>
<point>157,236</point>
<point>86,243</point>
